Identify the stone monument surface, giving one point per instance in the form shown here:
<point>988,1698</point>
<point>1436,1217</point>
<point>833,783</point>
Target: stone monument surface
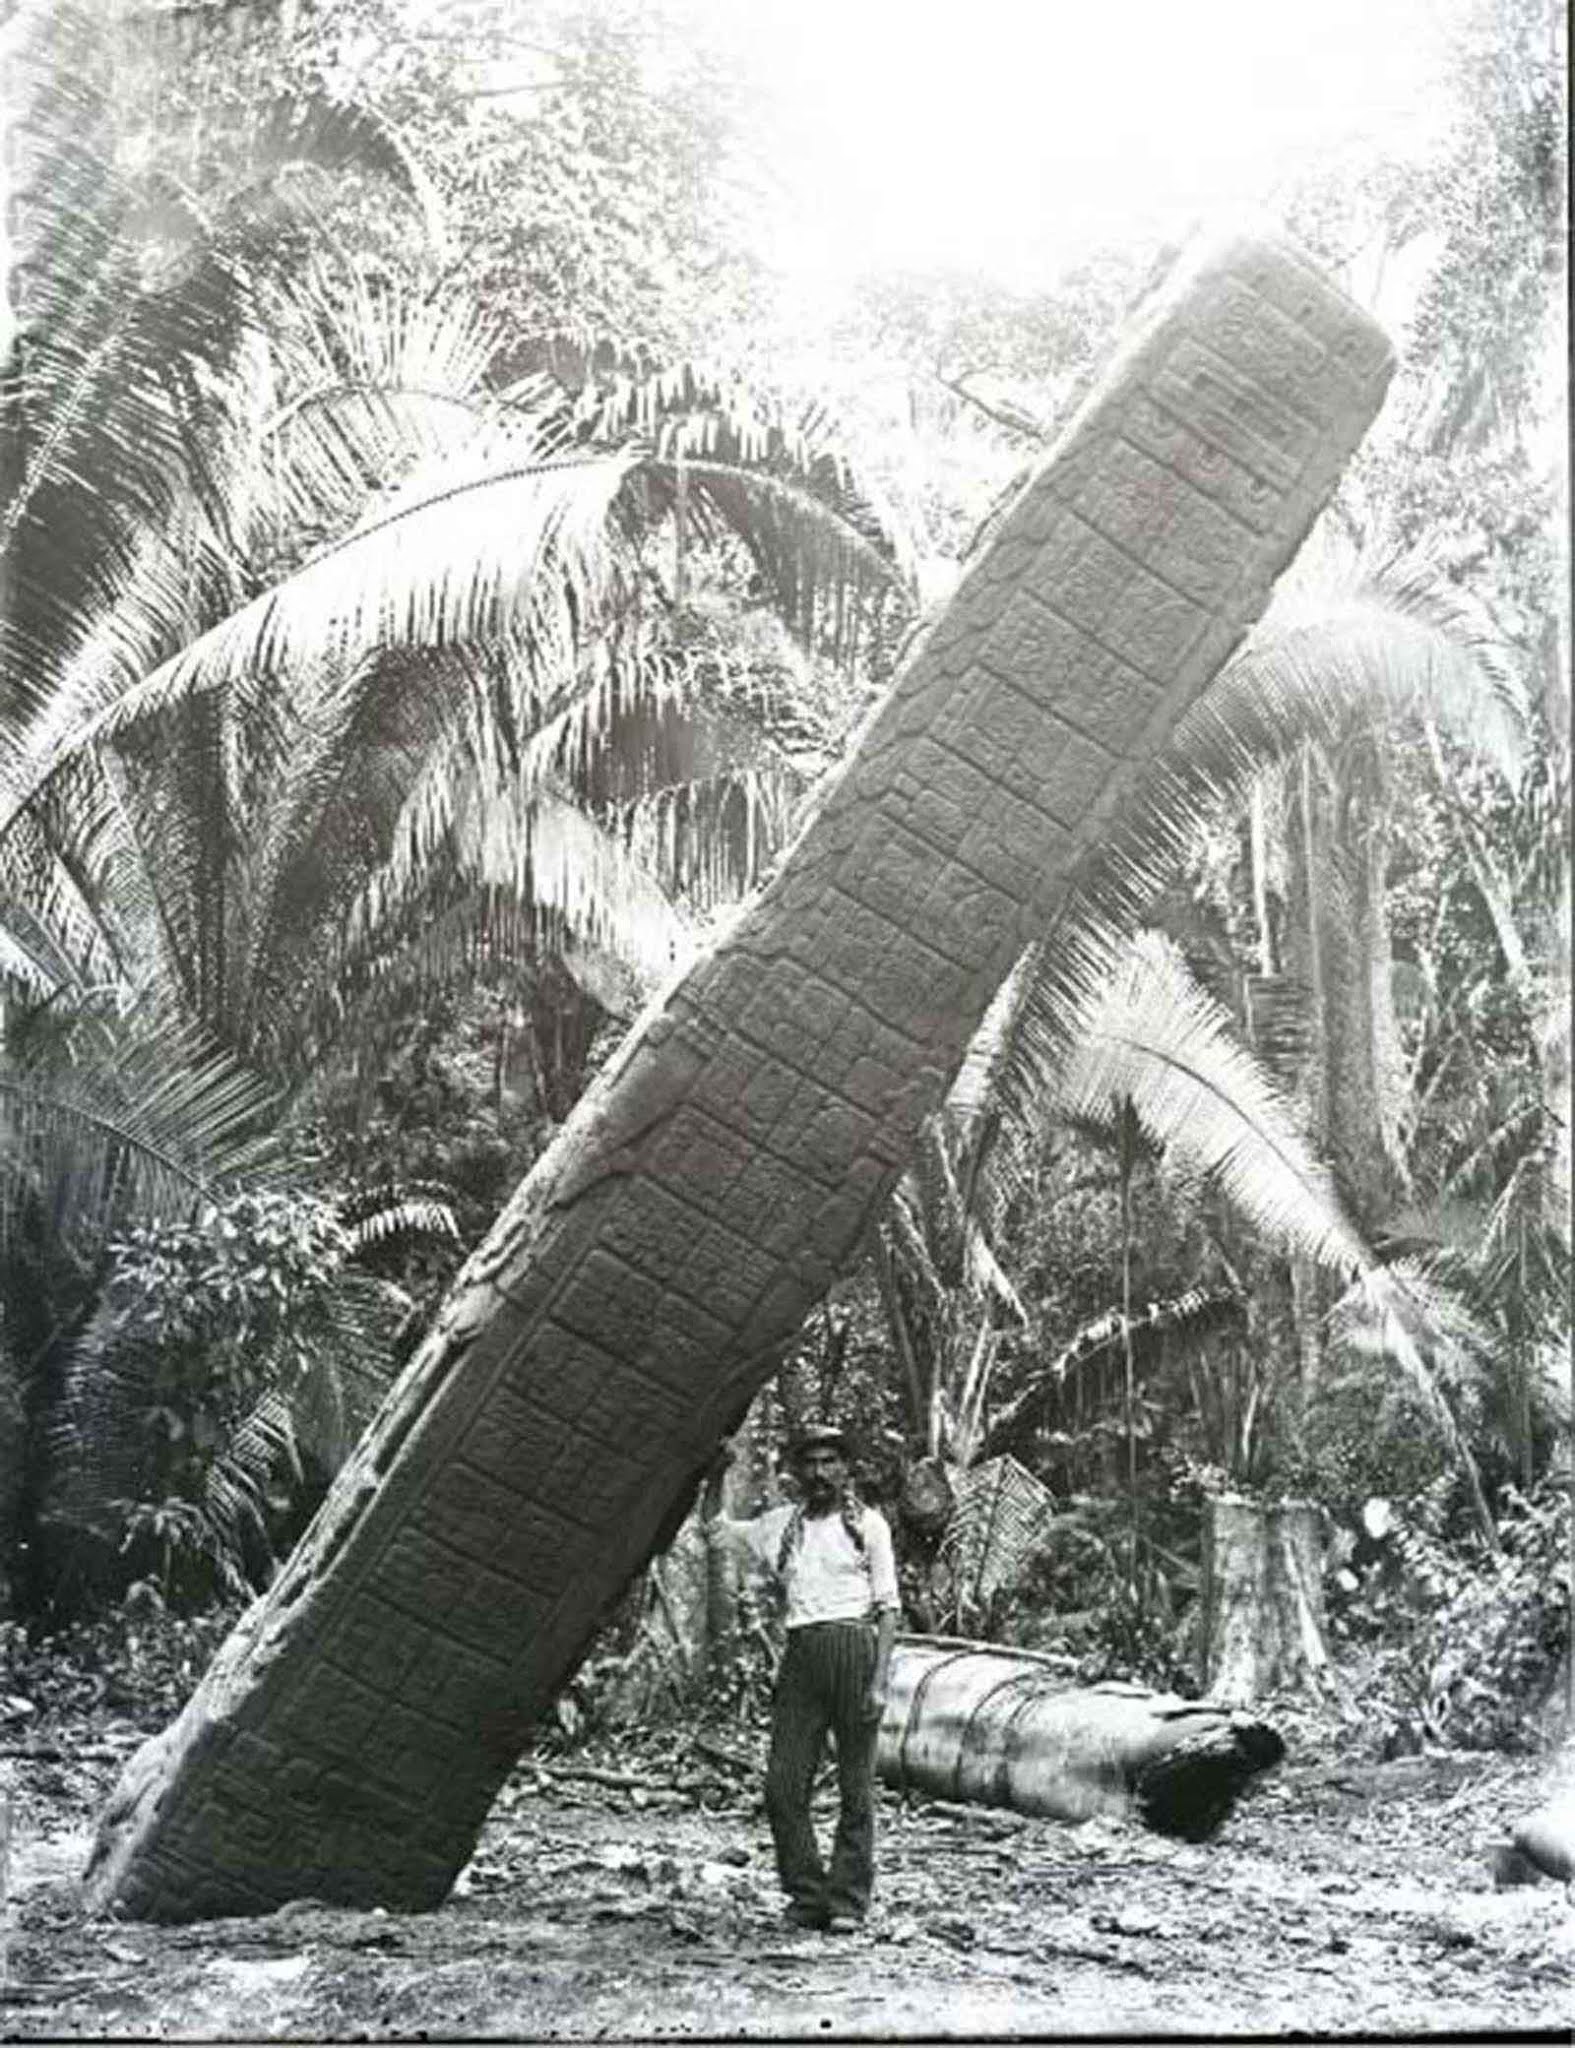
<point>350,1736</point>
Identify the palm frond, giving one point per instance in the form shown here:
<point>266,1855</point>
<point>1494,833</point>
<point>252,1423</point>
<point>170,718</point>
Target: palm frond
<point>1140,1031</point>
<point>1388,638</point>
<point>362,380</point>
<point>1522,1260</point>
<point>1394,630</point>
<point>31,964</point>
<point>441,947</point>
<point>136,1116</point>
<point>239,1479</point>
<point>1494,1157</point>
<point>540,549</point>
<point>53,909</point>
<point>131,299</point>
<point>1396,1315</point>
<point>977,1084</point>
<point>1195,1313</point>
<point>99,1450</point>
<point>688,412</point>
<point>333,135</point>
<point>535,844</point>
<point>1149,1035</point>
<point>1000,1514</point>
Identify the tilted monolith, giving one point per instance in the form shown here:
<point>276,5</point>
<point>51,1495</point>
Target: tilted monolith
<point>350,1736</point>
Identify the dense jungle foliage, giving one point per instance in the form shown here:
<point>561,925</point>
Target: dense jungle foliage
<point>432,593</point>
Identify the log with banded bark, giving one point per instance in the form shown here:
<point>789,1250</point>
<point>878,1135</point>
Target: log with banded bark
<point>984,1724</point>
<point>1546,1836</point>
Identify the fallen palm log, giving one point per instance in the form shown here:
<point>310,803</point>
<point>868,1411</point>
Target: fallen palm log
<point>983,1724</point>
<point>556,1424</point>
<point>1546,1838</point>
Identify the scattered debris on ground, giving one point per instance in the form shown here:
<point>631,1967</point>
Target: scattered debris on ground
<point>630,1892</point>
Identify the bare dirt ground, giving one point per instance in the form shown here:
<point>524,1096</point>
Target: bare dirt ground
<point>1345,1898</point>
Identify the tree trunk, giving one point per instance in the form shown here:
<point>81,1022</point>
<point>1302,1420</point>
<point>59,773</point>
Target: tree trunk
<point>1262,1597</point>
<point>555,1427</point>
<point>13,1457</point>
<point>743,1490</point>
<point>979,1722</point>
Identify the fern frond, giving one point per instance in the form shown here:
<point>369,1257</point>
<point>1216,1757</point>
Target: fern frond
<point>402,1218</point>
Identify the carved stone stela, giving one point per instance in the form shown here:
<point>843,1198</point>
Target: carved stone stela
<point>350,1736</point>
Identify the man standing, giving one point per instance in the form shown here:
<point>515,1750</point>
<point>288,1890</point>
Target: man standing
<point>832,1558</point>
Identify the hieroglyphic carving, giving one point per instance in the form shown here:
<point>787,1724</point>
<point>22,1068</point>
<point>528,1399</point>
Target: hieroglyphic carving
<point>350,1736</point>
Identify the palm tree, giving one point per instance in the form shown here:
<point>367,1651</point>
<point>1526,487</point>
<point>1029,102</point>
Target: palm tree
<point>1117,1036</point>
<point>501,703</point>
<point>1329,648</point>
<point>494,669</point>
<point>948,1300</point>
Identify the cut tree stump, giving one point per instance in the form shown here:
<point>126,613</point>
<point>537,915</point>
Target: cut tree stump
<point>1262,1597</point>
<point>982,1723</point>
<point>610,1331</point>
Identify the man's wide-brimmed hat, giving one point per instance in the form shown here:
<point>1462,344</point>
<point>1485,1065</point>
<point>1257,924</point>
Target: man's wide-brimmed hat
<point>816,1436</point>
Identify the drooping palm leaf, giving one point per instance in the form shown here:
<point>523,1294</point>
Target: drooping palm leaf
<point>364,378</point>
<point>112,1116</point>
<point>538,845</point>
<point>1340,640</point>
<point>1194,1313</point>
<point>130,296</point>
<point>1131,1027</point>
<point>1150,1036</point>
<point>540,549</point>
<point>688,413</point>
<point>1398,635</point>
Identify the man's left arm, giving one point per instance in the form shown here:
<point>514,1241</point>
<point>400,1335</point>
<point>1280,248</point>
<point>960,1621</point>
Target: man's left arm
<point>883,1591</point>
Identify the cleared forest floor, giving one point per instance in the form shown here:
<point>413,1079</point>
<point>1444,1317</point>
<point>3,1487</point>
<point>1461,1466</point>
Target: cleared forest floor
<point>1340,1898</point>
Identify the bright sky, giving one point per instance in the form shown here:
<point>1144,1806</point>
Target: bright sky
<point>1006,134</point>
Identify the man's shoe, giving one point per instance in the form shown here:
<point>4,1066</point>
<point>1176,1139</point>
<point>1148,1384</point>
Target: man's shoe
<point>844,1923</point>
<point>801,1915</point>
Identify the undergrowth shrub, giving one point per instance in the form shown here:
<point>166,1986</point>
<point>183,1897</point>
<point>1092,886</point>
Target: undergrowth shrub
<point>233,1360</point>
<point>139,1663</point>
<point>1081,1598</point>
<point>1450,1645</point>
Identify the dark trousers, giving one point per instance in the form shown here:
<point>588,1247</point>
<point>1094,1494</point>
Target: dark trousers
<point>822,1685</point>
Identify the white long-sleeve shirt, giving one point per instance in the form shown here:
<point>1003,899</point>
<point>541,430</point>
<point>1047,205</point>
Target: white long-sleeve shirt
<point>828,1577</point>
